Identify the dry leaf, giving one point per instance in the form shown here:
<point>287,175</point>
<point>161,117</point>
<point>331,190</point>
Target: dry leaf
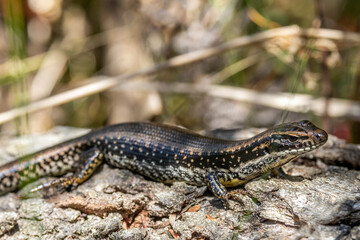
<point>210,217</point>
<point>194,208</point>
<point>175,235</point>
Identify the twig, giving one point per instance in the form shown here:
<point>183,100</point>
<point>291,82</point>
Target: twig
<point>331,34</point>
<point>326,86</point>
<point>236,67</point>
<point>50,72</point>
<point>302,103</point>
<point>107,83</point>
<point>70,47</point>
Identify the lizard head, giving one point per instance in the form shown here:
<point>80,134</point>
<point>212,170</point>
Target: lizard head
<point>295,138</point>
<point>277,146</point>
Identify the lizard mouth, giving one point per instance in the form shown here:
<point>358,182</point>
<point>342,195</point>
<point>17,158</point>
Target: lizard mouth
<point>304,149</point>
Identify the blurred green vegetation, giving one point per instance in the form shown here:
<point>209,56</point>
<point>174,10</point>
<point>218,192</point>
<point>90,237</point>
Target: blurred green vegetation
<point>111,38</point>
<point>16,38</point>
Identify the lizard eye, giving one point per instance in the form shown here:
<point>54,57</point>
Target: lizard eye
<point>292,139</point>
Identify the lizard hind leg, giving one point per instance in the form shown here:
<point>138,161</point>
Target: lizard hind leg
<point>93,158</point>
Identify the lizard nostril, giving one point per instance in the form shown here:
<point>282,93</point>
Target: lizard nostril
<point>267,150</point>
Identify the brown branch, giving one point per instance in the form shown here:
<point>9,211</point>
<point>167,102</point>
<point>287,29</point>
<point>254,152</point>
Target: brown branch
<point>302,103</point>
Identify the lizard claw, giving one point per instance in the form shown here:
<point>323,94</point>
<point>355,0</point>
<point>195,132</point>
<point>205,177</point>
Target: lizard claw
<point>63,182</point>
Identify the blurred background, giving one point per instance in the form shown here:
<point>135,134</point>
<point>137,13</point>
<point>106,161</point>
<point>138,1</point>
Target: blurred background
<point>51,47</point>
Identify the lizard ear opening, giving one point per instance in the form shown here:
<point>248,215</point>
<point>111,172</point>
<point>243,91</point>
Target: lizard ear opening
<point>267,150</point>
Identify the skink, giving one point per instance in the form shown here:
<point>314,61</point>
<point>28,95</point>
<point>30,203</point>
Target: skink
<point>167,154</point>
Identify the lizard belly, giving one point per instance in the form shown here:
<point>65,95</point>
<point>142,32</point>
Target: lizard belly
<point>233,182</point>
<point>164,173</point>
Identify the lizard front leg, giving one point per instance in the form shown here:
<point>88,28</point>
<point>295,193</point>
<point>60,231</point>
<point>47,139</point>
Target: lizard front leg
<point>215,181</point>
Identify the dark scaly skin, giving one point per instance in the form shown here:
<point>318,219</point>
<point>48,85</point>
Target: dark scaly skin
<point>166,154</point>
